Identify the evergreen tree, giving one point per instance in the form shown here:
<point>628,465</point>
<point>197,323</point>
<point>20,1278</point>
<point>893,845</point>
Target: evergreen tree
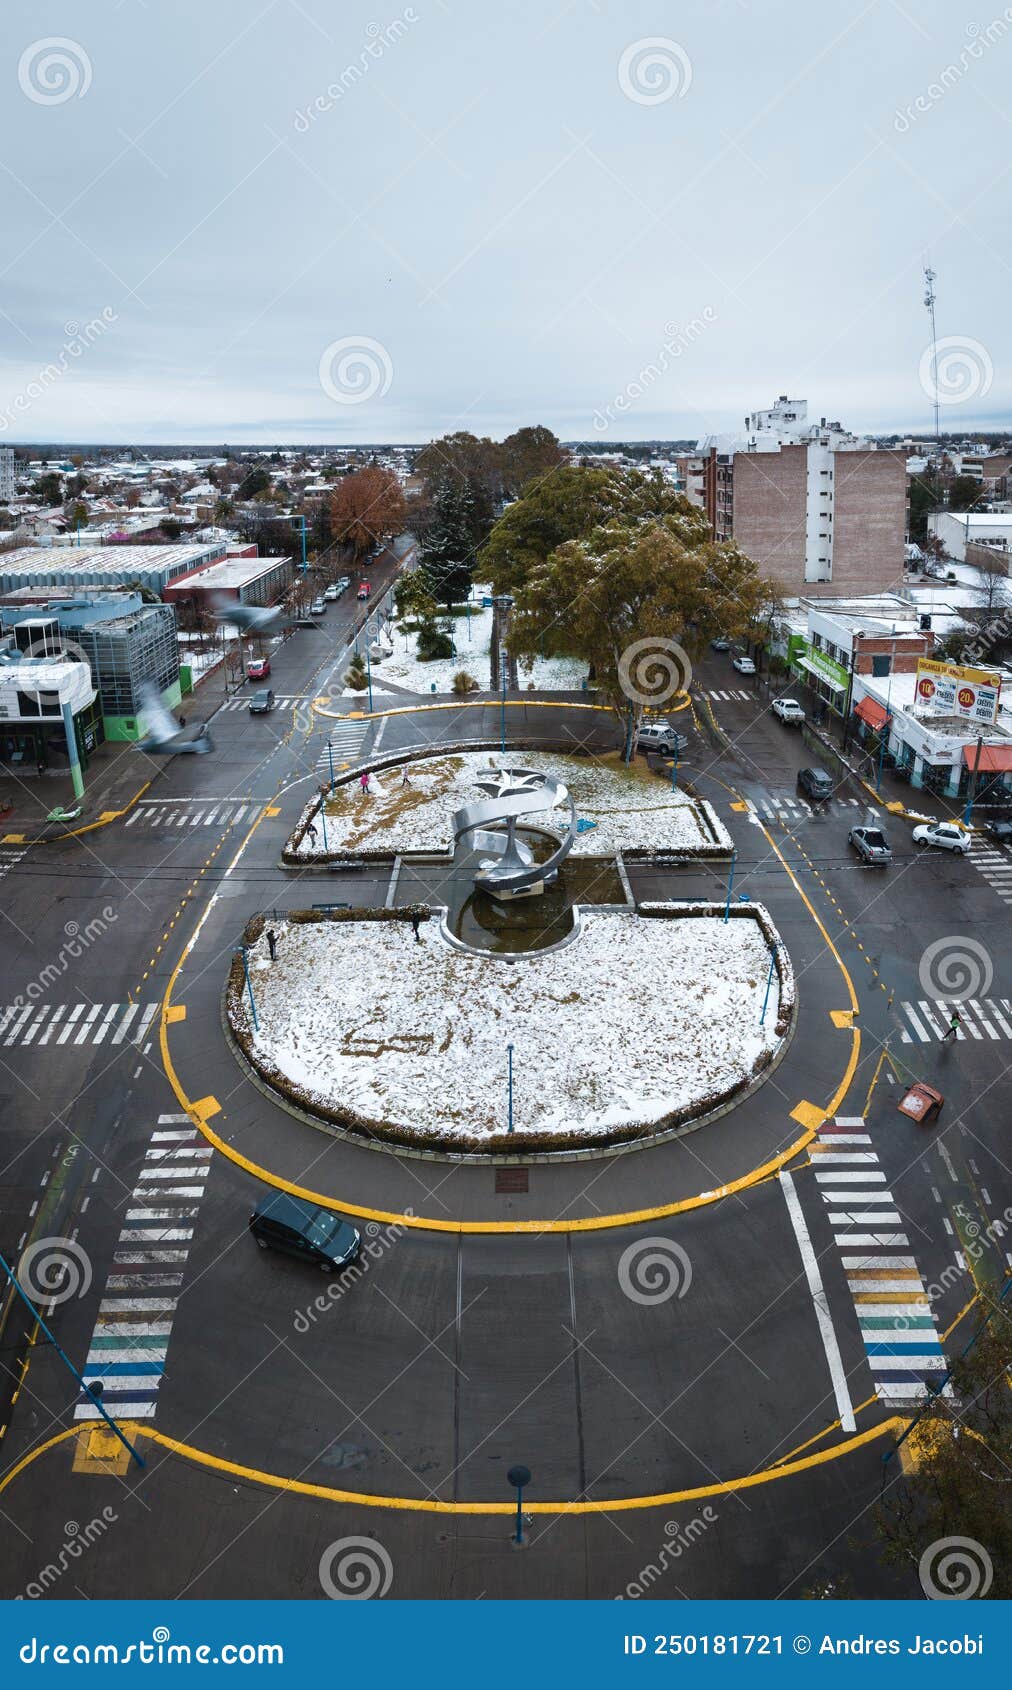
<point>449,539</point>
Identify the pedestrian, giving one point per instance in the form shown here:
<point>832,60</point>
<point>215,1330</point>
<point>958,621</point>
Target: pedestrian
<point>364,781</point>
<point>312,833</point>
<point>952,1029</point>
<point>272,942</point>
<point>416,922</point>
<point>405,776</point>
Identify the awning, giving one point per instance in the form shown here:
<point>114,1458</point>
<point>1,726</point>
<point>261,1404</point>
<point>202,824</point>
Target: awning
<point>819,675</point>
<point>994,759</point>
<point>872,712</point>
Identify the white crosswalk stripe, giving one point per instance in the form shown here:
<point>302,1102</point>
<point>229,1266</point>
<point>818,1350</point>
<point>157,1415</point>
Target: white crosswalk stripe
<point>281,700</point>
<point>190,812</point>
<point>9,855</point>
<point>901,1341</point>
<point>130,1341</point>
<point>77,1023</point>
<point>344,745</point>
<point>983,1019</point>
<point>995,864</point>
<point>786,807</point>
<point>730,692</point>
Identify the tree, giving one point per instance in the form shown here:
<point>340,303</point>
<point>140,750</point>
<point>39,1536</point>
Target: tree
<point>50,489</point>
<point>472,463</point>
<point>447,541</point>
<point>637,600</point>
<point>961,1483</point>
<point>413,596</point>
<point>433,642</point>
<point>568,504</point>
<point>993,584</point>
<point>527,455</point>
<point>964,492</point>
<point>357,675</point>
<point>254,482</point>
<point>367,507</point>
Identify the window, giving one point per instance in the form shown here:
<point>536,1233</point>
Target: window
<point>880,664</point>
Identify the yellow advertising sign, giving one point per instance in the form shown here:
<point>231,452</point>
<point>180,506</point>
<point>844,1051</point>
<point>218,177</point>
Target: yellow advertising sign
<point>976,677</point>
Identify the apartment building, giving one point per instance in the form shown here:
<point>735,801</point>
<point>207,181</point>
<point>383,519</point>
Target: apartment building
<point>6,474</point>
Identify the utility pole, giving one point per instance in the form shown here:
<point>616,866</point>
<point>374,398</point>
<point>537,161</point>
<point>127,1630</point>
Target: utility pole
<point>972,791</point>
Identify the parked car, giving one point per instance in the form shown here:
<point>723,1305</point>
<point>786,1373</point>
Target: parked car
<point>948,836</point>
<point>788,710</point>
<point>1000,832</point>
<point>817,783</point>
<point>258,668</point>
<point>297,1228</point>
<point>332,592</point>
<point>261,702</point>
<point>364,589</point>
<point>871,844</point>
<point>720,644</point>
<point>317,607</point>
<point>744,665</point>
<point>342,583</point>
<point>662,737</point>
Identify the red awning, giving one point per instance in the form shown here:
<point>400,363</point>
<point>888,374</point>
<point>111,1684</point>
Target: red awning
<point>994,759</point>
<point>871,712</point>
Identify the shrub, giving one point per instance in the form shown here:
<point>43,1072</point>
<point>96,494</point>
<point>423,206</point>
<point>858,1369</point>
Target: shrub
<point>433,643</point>
<point>464,683</point>
<point>357,676</point>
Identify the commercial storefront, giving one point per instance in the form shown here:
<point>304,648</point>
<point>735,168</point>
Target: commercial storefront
<point>49,714</point>
<point>951,754</point>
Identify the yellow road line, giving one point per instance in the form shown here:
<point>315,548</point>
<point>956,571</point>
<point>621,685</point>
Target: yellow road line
<point>431,1505</point>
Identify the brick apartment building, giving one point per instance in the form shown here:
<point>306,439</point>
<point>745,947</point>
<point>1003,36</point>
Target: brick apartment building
<point>820,510</point>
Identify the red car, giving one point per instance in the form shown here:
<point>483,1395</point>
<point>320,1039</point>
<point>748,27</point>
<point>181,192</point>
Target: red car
<point>364,589</point>
<point>258,668</point>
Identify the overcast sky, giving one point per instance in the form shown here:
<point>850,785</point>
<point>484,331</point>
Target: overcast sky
<point>626,219</point>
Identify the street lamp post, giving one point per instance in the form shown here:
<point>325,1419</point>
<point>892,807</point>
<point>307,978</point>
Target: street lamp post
<point>509,1088</point>
<point>769,982</point>
<point>884,730</point>
<point>518,1477</point>
<point>249,988</point>
<point>674,769</point>
<point>89,1390</point>
<point>330,755</point>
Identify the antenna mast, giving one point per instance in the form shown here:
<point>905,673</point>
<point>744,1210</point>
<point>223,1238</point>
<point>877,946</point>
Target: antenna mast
<point>929,301</point>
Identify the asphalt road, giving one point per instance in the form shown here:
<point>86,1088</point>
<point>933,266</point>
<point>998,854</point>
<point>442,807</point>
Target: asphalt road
<point>456,1355</point>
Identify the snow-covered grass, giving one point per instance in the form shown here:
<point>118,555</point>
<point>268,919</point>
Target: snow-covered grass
<point>632,809</point>
<point>635,1022</point>
<point>472,637</point>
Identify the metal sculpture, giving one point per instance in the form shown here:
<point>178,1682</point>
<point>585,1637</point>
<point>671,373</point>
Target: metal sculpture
<point>507,867</point>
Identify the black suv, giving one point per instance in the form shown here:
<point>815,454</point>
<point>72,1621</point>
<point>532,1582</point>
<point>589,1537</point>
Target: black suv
<point>817,784</point>
<point>280,1222</point>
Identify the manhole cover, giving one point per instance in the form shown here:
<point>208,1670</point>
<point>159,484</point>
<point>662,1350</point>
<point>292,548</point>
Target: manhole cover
<point>509,1180</point>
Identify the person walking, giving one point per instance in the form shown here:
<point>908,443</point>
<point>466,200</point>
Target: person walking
<point>312,833</point>
<point>952,1029</point>
<point>405,776</point>
<point>416,922</point>
<point>364,781</point>
<point>272,942</point>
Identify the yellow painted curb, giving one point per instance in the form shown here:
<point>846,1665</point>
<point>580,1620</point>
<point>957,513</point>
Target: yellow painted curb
<point>842,1017</point>
<point>811,1120</point>
<point>176,1012</point>
<point>104,819</point>
<point>492,703</point>
<point>431,1505</point>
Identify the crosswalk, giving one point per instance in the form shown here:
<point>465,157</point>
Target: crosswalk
<point>179,813</point>
<point>130,1342</point>
<point>9,856</point>
<point>76,1024</point>
<point>343,746</point>
<point>281,700</point>
<point>995,865</point>
<point>788,807</point>
<point>893,1309</point>
<point>979,1018</point>
<point>738,693</point>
